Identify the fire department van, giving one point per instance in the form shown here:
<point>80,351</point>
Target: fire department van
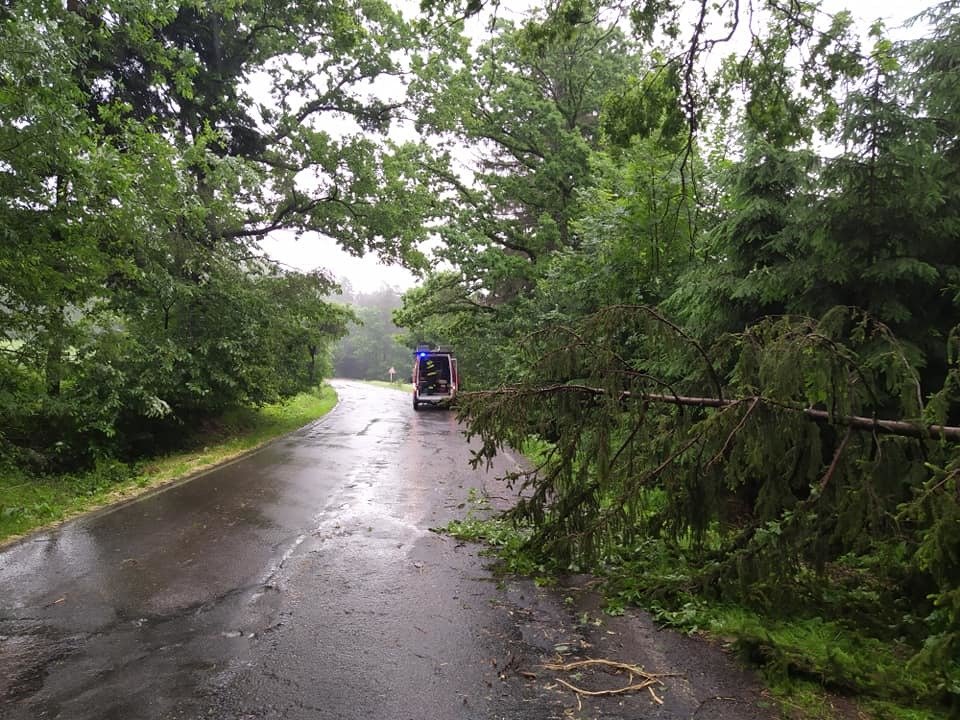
<point>435,377</point>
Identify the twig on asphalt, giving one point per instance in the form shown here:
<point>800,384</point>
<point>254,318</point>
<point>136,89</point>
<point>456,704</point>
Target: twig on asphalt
<point>613,691</point>
<point>647,683</point>
<point>615,664</point>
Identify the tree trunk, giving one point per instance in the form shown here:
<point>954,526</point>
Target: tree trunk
<point>313,364</point>
<point>53,364</point>
<point>903,428</point>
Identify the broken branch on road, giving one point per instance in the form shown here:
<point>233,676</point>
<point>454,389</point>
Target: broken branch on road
<point>648,680</point>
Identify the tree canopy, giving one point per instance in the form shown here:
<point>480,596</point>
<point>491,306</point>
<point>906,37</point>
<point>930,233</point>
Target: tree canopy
<point>146,147</point>
<point>701,256</point>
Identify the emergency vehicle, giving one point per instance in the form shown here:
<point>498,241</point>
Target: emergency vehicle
<point>435,377</point>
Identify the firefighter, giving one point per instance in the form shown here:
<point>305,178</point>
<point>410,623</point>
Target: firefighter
<point>430,373</point>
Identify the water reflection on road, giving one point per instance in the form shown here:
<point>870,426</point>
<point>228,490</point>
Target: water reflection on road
<point>155,598</point>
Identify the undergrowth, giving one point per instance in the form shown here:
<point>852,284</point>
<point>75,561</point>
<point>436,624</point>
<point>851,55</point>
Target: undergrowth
<point>505,539</point>
<point>829,651</point>
<point>28,502</point>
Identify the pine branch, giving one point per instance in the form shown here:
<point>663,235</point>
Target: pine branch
<point>656,315</point>
<point>836,460</point>
<point>900,428</point>
<point>733,433</point>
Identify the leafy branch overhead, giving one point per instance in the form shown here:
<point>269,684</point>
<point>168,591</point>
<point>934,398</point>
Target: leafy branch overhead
<point>276,91</point>
<point>146,149</point>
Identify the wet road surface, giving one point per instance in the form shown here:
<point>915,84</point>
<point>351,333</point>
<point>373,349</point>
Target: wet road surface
<point>305,581</point>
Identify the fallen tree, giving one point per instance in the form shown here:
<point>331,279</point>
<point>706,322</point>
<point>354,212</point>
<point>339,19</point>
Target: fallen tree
<point>798,467</point>
<point>902,428</point>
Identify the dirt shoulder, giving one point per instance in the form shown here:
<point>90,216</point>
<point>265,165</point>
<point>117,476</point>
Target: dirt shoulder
<point>689,677</point>
<point>564,625</point>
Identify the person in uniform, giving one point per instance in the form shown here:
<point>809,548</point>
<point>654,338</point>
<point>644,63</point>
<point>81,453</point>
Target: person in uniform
<point>429,374</point>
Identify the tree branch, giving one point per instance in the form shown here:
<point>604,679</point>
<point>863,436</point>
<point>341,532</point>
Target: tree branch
<point>900,428</point>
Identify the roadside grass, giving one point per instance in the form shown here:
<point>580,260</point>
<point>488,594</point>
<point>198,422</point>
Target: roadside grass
<point>811,663</point>
<point>397,385</point>
<point>817,666</point>
<point>28,503</point>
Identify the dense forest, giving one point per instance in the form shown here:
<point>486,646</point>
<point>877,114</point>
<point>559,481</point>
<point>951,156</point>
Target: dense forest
<point>373,343</point>
<point>700,259</point>
<point>138,171</point>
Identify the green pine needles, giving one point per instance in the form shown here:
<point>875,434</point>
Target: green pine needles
<point>799,467</point>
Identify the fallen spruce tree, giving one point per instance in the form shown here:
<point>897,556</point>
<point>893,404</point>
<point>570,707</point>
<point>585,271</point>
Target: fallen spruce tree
<point>800,468</point>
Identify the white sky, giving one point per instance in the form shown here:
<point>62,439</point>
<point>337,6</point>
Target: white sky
<point>368,275</point>
<point>314,251</point>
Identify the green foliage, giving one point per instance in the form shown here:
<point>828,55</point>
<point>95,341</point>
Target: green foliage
<point>528,103</point>
<point>699,335</point>
<point>815,516</point>
<point>137,174</point>
<point>29,501</point>
<point>647,106</point>
<point>373,344</point>
<point>481,524</point>
<point>837,652</point>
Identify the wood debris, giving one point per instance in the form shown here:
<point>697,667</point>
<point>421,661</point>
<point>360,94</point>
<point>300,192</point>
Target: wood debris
<point>638,678</point>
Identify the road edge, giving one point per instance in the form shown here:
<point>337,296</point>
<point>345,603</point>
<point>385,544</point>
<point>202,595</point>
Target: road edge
<point>134,494</point>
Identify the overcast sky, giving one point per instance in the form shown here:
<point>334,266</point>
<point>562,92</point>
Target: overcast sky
<point>367,274</point>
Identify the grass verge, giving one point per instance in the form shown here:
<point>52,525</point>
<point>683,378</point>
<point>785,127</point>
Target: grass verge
<point>816,668</point>
<point>405,387</point>
<point>28,503</point>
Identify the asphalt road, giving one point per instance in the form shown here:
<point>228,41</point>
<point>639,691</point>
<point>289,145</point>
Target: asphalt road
<point>307,581</point>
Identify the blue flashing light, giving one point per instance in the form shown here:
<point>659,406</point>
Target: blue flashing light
<point>423,354</point>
